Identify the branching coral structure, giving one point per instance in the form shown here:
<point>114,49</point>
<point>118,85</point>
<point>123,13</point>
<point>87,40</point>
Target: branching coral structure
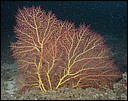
<point>51,53</point>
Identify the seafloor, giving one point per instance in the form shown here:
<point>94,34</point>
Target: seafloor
<point>119,91</point>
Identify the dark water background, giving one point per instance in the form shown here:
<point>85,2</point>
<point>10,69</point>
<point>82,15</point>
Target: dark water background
<point>109,18</point>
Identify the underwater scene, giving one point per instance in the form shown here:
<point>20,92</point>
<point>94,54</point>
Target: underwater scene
<point>63,50</point>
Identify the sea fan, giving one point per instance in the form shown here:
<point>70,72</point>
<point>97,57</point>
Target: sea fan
<point>51,53</point>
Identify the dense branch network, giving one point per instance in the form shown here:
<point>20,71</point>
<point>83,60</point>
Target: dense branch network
<point>51,53</point>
